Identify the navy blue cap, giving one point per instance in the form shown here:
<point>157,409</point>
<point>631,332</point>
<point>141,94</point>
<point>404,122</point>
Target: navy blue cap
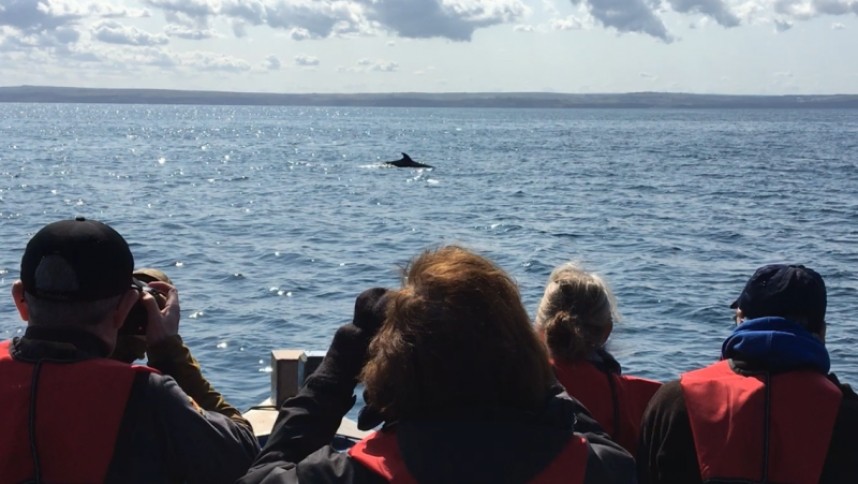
<point>76,260</point>
<point>783,290</point>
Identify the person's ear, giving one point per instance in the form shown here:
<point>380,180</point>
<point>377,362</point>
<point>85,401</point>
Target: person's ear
<point>20,300</point>
<point>740,316</point>
<point>606,333</point>
<point>128,300</point>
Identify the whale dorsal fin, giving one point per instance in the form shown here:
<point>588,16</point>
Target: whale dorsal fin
<point>406,157</point>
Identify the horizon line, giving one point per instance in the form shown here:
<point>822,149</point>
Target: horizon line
<point>370,93</point>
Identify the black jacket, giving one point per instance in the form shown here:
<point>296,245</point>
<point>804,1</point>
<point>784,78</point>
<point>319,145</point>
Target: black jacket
<point>491,446</point>
<point>163,436</point>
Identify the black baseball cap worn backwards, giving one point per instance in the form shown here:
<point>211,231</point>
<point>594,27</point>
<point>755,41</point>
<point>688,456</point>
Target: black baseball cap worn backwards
<point>783,290</point>
<point>76,260</point>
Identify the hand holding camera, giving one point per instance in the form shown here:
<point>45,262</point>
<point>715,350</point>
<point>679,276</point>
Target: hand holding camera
<point>135,336</point>
<point>348,351</point>
<point>138,318</point>
<point>156,314</point>
<point>161,322</point>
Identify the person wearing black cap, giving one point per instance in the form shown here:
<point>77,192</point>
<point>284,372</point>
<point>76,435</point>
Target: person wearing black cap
<point>769,410</point>
<point>71,414</point>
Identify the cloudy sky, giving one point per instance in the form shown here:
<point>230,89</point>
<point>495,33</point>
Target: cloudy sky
<point>699,46</point>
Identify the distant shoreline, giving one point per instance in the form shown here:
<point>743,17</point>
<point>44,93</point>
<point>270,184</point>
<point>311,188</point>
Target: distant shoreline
<point>638,100</point>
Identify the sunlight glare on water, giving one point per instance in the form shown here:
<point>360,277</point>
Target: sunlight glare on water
<point>675,208</point>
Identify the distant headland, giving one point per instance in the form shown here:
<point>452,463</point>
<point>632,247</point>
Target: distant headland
<point>664,100</point>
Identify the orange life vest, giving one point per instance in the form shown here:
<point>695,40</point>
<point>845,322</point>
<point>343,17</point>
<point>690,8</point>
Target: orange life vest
<point>380,453</point>
<point>617,402</point>
<point>78,408</point>
<point>758,428</point>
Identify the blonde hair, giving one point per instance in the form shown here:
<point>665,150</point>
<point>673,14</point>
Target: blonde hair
<point>576,313</point>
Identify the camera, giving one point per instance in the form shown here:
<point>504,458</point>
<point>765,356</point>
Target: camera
<point>135,322</point>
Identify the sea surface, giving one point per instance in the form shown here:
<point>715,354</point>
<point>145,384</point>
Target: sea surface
<point>270,220</point>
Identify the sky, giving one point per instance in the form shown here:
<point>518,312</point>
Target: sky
<point>354,46</point>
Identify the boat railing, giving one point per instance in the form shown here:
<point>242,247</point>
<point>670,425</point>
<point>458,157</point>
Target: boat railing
<point>289,369</point>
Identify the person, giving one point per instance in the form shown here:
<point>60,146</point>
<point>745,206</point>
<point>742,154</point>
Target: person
<point>575,317</point>
<point>769,410</point>
<point>70,414</point>
<point>462,385</point>
<point>170,356</point>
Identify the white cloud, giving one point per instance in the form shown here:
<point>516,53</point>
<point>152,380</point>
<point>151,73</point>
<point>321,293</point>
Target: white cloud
<point>189,33</point>
<point>318,19</point>
<point>66,35</point>
<point>385,66</point>
<point>116,33</point>
<point>456,20</point>
<point>106,10</point>
<point>422,72</point>
<point>306,61</point>
<point>315,18</point>
<point>452,19</point>
<point>181,18</point>
<point>794,10</point>
<point>628,16</point>
<point>834,7</point>
<point>239,28</point>
<point>213,62</point>
<point>715,9</point>
<point>272,63</point>
<point>569,23</point>
<point>369,65</point>
<point>147,56</point>
<point>185,63</point>
<point>39,15</point>
<point>808,9</point>
<point>550,7</point>
<point>644,16</point>
<point>782,25</point>
<point>192,8</point>
<point>52,42</point>
<point>251,11</point>
<point>299,34</point>
<point>82,56</point>
<point>57,33</point>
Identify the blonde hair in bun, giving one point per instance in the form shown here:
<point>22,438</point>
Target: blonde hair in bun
<point>576,313</point>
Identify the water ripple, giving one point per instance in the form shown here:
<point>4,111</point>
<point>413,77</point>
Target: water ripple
<point>270,220</point>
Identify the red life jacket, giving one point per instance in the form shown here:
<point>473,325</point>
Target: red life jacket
<point>380,453</point>
<point>617,402</point>
<point>746,427</point>
<point>78,410</point>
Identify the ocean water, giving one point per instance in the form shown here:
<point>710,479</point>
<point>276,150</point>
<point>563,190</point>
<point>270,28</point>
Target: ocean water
<point>270,220</point>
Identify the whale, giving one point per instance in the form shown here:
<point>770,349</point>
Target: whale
<point>406,162</point>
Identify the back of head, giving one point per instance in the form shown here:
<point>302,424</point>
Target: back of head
<point>72,270</point>
<point>456,337</point>
<point>793,292</point>
<point>576,313</point>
